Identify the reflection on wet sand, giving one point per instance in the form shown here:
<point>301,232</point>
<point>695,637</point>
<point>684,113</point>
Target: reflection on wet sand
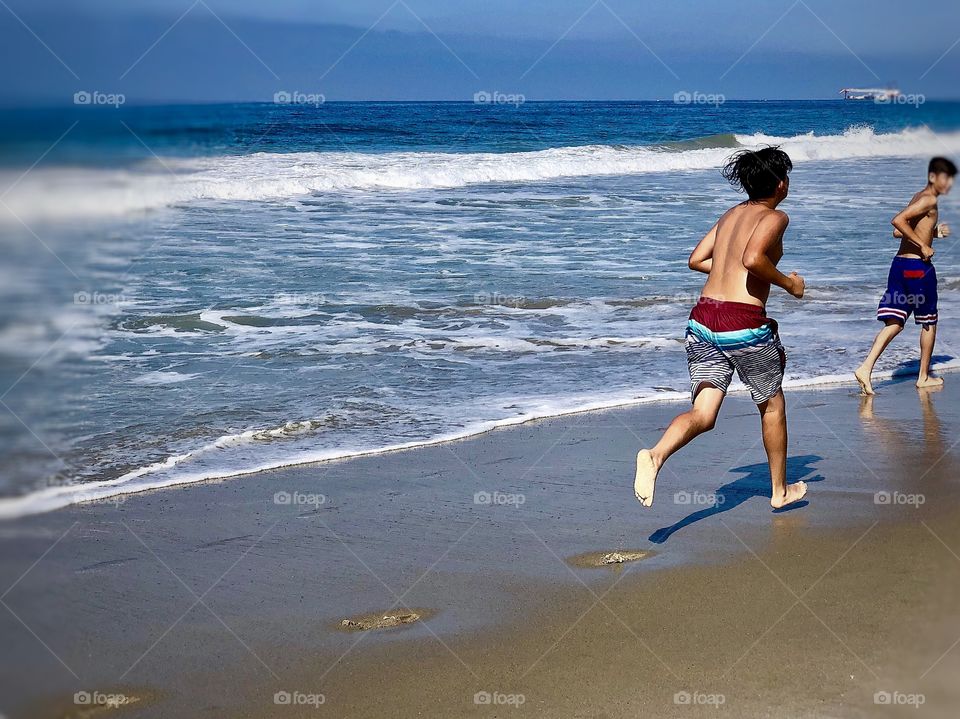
<point>905,443</point>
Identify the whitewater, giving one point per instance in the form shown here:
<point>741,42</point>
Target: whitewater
<point>62,193</point>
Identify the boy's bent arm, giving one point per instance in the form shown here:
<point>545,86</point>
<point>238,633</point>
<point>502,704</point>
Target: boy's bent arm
<point>756,257</point>
<point>701,259</point>
<point>912,212</point>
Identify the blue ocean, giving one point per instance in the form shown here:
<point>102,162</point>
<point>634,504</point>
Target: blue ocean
<point>196,292</point>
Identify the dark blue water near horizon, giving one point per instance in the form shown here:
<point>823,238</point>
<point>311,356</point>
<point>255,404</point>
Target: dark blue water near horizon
<point>108,135</point>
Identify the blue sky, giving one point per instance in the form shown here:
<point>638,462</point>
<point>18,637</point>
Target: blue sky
<point>224,50</point>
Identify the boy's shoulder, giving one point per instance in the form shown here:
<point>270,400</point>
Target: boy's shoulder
<point>763,212</point>
<point>776,217</point>
<point>924,198</point>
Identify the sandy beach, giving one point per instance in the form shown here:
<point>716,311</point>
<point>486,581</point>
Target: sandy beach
<point>229,598</point>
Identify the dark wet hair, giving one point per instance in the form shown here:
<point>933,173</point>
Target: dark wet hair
<point>942,164</point>
<point>757,172</point>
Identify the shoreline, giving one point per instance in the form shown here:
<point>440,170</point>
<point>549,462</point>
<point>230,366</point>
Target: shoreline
<point>112,591</point>
<point>54,498</point>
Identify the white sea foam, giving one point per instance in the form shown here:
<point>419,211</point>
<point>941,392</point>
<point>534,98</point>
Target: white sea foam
<point>163,378</point>
<point>63,193</point>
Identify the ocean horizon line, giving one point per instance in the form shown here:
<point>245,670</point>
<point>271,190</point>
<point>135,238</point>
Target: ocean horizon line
<point>134,102</point>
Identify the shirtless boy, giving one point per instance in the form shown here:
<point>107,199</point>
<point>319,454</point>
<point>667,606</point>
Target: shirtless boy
<point>912,282</point>
<point>729,329</point>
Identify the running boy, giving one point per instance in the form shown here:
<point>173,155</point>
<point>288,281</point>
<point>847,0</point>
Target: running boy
<point>912,282</point>
<point>729,329</point>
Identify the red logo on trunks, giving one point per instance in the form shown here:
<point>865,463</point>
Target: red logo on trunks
<point>914,274</point>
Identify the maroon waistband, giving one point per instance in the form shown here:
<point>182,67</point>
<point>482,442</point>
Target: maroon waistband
<point>722,316</point>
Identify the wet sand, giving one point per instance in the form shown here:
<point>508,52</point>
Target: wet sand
<point>227,598</point>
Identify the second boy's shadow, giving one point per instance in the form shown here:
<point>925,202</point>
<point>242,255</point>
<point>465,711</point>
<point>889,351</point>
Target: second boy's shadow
<point>910,368</point>
<point>756,483</point>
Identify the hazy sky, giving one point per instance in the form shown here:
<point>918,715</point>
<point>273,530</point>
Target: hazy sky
<point>219,50</point>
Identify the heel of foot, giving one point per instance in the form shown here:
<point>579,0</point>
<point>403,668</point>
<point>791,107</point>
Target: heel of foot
<point>794,493</point>
<point>646,478</point>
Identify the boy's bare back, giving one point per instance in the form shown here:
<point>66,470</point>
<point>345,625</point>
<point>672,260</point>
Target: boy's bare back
<point>748,237</point>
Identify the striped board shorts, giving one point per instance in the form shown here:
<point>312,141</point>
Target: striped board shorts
<point>723,337</point>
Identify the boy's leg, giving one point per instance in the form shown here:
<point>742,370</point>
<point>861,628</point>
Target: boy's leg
<point>926,316</point>
<point>898,301</point>
<point>928,338</point>
<point>773,421</point>
<point>884,337</point>
<point>697,420</point>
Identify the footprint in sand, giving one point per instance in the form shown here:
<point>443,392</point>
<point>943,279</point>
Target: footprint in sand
<point>383,620</point>
<point>615,559</point>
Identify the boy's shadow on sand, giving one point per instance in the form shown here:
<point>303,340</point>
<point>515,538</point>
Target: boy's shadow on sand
<point>910,368</point>
<point>756,483</point>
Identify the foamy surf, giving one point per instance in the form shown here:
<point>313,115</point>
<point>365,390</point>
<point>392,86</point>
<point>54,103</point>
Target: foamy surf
<point>174,471</point>
<point>64,193</point>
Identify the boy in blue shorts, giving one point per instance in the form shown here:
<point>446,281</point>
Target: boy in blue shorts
<point>912,282</point>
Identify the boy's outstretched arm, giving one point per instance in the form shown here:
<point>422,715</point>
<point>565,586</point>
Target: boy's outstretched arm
<point>701,259</point>
<point>902,224</point>
<point>756,258</point>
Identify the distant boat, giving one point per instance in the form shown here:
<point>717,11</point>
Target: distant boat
<point>877,94</point>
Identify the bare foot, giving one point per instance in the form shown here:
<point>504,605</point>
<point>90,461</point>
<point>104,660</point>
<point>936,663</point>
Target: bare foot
<point>925,382</point>
<point>647,469</point>
<point>863,377</point>
<point>793,493</point>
